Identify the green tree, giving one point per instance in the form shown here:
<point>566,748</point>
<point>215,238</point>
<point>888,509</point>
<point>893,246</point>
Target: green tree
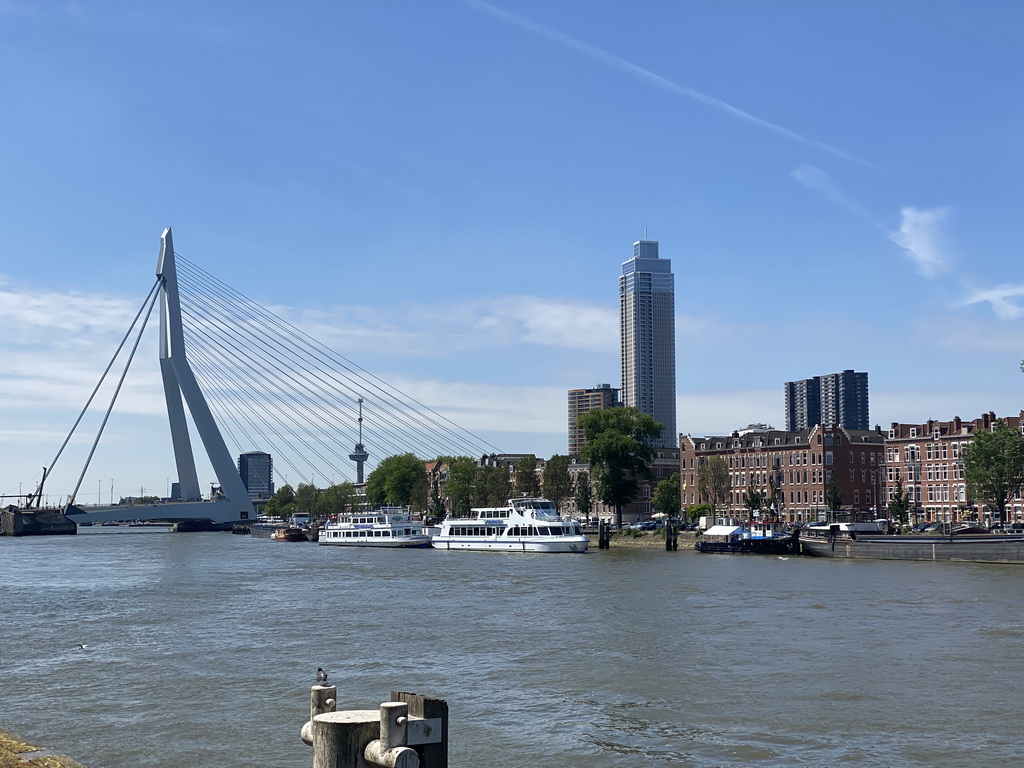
<point>492,486</point>
<point>666,496</point>
<point>776,500</point>
<point>697,511</point>
<point>336,500</point>
<point>557,482</point>
<point>833,495</point>
<point>713,482</point>
<point>306,497</point>
<point>458,485</point>
<point>583,495</point>
<point>398,480</point>
<point>899,504</point>
<point>618,449</point>
<point>527,482</point>
<point>994,466</point>
<point>282,503</point>
<point>754,500</point>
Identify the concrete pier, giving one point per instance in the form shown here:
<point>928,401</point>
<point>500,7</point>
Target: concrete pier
<point>35,522</point>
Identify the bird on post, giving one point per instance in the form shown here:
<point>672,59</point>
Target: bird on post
<point>321,676</point>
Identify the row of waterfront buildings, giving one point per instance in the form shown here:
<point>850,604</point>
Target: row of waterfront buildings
<point>827,431</point>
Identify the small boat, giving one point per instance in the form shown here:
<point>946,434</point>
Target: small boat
<point>764,537</point>
<point>384,527</point>
<point>266,527</point>
<point>291,533</point>
<point>525,525</point>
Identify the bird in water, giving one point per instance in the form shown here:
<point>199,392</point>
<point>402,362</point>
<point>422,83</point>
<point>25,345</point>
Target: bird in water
<point>321,676</point>
<point>81,646</point>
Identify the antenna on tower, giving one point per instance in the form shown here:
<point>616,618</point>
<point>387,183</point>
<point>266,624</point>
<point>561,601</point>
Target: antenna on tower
<point>645,233</point>
<point>359,455</point>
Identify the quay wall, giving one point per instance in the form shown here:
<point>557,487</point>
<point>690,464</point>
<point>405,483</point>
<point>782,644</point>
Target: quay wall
<point>645,540</point>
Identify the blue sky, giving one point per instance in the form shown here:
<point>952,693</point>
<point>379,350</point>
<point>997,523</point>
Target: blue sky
<point>444,192</point>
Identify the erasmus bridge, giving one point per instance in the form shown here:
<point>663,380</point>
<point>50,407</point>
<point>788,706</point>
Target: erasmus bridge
<point>244,375</point>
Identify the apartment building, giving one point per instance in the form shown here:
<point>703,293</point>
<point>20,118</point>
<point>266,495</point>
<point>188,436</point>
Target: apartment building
<point>796,465</point>
<point>928,458</point>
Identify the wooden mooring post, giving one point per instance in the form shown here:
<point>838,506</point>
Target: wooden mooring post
<point>671,537</point>
<point>410,731</point>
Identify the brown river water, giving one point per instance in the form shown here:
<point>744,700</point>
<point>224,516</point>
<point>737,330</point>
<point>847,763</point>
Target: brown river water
<point>201,649</point>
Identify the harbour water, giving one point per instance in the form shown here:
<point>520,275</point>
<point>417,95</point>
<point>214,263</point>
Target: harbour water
<point>201,648</point>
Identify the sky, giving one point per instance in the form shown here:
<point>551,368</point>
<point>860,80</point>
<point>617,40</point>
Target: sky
<point>444,192</point>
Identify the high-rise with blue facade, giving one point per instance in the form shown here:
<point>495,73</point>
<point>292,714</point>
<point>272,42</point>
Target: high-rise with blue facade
<point>648,338</point>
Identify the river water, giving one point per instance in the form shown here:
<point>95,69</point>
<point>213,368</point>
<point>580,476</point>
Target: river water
<point>201,649</point>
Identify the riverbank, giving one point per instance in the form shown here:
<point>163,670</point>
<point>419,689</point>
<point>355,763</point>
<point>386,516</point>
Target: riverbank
<point>15,752</point>
<point>644,540</point>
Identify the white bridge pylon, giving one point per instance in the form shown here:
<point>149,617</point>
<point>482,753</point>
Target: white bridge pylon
<point>179,382</point>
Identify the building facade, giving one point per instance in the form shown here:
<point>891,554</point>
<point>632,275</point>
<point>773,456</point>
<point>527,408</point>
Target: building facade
<point>792,468</point>
<point>257,471</point>
<point>837,398</point>
<point>647,337</point>
<point>581,401</point>
<point>928,460</point>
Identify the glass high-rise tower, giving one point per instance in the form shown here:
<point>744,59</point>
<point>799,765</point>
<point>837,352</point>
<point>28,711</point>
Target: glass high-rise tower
<point>647,337</point>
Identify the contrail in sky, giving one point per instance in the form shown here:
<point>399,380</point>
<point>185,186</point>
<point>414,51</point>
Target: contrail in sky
<point>645,74</point>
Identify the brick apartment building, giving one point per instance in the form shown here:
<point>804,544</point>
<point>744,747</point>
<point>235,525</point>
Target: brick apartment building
<point>928,458</point>
<point>798,464</point>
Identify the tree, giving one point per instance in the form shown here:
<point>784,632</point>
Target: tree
<point>618,448</point>
<point>776,499</point>
<point>492,486</point>
<point>713,482</point>
<point>458,485</point>
<point>754,500</point>
<point>994,466</point>
<point>697,511</point>
<point>282,503</point>
<point>899,504</point>
<point>833,495</point>
<point>306,497</point>
<point>527,482</point>
<point>583,495</point>
<point>666,496</point>
<point>398,480</point>
<point>557,482</point>
<point>336,500</point>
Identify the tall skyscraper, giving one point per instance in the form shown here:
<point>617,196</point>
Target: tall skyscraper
<point>647,337</point>
<point>838,398</point>
<point>582,400</point>
<point>257,471</point>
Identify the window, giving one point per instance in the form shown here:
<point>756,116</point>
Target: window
<point>913,431</point>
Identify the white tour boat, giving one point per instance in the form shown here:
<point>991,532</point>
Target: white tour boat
<point>384,527</point>
<point>525,525</point>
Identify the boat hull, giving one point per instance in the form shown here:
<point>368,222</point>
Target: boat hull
<point>773,546</point>
<point>406,542</point>
<point>974,549</point>
<point>560,544</point>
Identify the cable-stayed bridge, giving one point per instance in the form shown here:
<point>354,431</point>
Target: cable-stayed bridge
<point>248,380</point>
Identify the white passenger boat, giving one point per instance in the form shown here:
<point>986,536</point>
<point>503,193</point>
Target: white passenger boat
<point>525,525</point>
<point>384,527</point>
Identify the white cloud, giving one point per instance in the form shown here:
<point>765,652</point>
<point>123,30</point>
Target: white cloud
<point>919,235</point>
<point>645,74</point>
<point>816,180</point>
<point>423,330</point>
<point>998,297</point>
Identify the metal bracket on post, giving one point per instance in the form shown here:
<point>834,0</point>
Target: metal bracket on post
<point>391,750</point>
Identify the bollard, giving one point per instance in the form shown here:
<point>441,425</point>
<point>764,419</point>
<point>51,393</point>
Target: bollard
<point>390,750</point>
<point>411,731</point>
<point>322,698</point>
